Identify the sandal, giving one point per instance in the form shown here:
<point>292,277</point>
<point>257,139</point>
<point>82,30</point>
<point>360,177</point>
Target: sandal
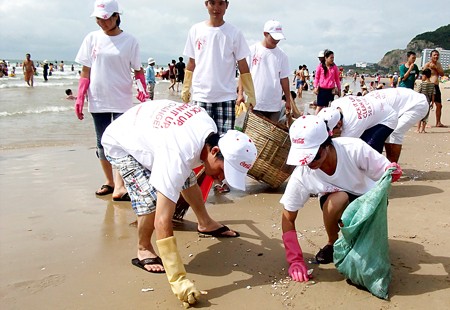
<point>325,255</point>
<point>221,188</point>
<point>105,190</point>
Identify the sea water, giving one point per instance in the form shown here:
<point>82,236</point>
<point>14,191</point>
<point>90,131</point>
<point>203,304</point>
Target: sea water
<point>41,116</point>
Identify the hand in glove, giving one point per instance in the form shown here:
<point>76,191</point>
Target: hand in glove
<point>249,89</point>
<point>294,256</point>
<point>142,95</point>
<point>83,86</point>
<point>186,90</point>
<point>397,173</point>
<point>182,287</point>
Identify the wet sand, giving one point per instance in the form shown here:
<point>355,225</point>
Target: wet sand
<point>63,248</point>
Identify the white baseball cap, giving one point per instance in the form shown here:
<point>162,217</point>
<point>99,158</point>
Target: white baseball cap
<point>307,133</point>
<point>275,29</point>
<point>321,54</point>
<point>105,8</point>
<point>151,61</point>
<point>239,153</point>
<point>331,115</point>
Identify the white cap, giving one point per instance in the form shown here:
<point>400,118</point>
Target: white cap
<point>239,153</point>
<point>307,133</point>
<point>105,8</point>
<point>151,61</point>
<point>331,115</point>
<point>275,29</point>
<point>321,54</point>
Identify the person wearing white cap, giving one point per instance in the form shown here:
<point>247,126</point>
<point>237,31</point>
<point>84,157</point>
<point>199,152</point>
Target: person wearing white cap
<point>155,147</point>
<point>269,68</point>
<point>410,106</point>
<point>150,78</point>
<point>339,170</point>
<point>107,56</point>
<point>360,117</point>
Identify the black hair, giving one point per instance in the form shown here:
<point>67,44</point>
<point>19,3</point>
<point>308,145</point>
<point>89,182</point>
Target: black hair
<point>326,54</point>
<point>180,58</point>
<point>293,95</point>
<point>410,53</point>
<point>213,140</point>
<point>427,72</point>
<point>118,18</point>
<point>434,51</point>
<point>68,92</point>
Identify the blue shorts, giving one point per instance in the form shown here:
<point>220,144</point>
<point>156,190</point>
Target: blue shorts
<point>101,121</point>
<point>299,83</point>
<point>376,136</point>
<point>137,182</point>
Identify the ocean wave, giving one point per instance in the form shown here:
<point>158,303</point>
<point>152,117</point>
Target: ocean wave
<point>49,109</point>
<point>22,84</point>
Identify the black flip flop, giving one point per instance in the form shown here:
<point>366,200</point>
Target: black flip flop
<point>109,190</point>
<point>148,261</point>
<point>125,197</point>
<point>218,233</point>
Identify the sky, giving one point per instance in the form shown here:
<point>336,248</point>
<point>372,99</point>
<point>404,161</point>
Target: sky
<point>355,30</point>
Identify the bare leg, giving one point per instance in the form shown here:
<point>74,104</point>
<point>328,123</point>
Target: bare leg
<point>145,228</point>
<point>438,114</point>
<point>119,188</point>
<point>318,108</point>
<point>393,152</point>
<point>333,208</point>
<point>107,171</point>
<point>193,197</point>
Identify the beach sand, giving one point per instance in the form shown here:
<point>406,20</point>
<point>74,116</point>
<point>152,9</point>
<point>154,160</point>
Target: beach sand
<point>61,247</point>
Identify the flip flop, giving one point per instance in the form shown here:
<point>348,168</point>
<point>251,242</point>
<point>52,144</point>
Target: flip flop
<point>148,261</point>
<point>124,197</point>
<point>218,233</point>
<point>109,190</point>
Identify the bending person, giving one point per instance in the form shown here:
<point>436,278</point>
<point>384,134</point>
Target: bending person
<point>360,117</point>
<point>155,147</point>
<point>339,169</point>
<point>410,106</point>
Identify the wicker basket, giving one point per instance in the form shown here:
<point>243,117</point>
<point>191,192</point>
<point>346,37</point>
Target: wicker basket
<point>273,143</point>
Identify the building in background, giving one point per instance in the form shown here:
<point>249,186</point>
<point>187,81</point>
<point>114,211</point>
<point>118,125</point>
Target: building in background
<point>444,57</point>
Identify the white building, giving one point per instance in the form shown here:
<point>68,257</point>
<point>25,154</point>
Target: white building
<point>444,57</point>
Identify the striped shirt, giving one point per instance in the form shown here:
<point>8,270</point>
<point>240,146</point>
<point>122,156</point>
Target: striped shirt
<point>427,88</point>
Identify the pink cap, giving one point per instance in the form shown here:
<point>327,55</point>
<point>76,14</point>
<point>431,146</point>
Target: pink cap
<point>239,153</point>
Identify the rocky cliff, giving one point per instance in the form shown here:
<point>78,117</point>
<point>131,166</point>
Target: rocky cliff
<point>438,38</point>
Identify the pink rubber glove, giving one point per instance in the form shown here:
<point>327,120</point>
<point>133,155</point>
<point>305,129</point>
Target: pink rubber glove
<point>397,173</point>
<point>142,95</point>
<point>294,256</point>
<point>83,86</point>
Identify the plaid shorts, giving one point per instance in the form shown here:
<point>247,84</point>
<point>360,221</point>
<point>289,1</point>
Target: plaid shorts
<point>137,182</point>
<point>223,113</point>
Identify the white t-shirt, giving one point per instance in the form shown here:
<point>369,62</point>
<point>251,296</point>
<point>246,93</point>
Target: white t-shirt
<point>111,59</point>
<point>267,67</point>
<point>361,113</point>
<point>358,168</point>
<point>401,99</point>
<point>166,137</point>
<point>216,51</point>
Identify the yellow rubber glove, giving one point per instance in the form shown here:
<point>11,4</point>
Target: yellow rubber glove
<point>183,288</point>
<point>186,91</point>
<point>249,89</point>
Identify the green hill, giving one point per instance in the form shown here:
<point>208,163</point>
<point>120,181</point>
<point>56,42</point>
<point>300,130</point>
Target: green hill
<point>432,39</point>
<point>440,37</point>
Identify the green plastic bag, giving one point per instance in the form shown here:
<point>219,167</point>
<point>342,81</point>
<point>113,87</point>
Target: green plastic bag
<point>361,253</point>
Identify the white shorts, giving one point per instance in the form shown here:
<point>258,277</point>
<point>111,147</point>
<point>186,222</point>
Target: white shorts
<point>408,120</point>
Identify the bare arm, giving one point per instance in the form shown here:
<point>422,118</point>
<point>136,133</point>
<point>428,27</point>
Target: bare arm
<point>190,65</point>
<point>243,68</point>
<point>287,92</point>
<point>85,72</point>
<point>288,220</point>
<point>165,209</point>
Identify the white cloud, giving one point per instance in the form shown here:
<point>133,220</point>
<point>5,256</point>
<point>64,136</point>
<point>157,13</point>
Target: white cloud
<point>355,30</point>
